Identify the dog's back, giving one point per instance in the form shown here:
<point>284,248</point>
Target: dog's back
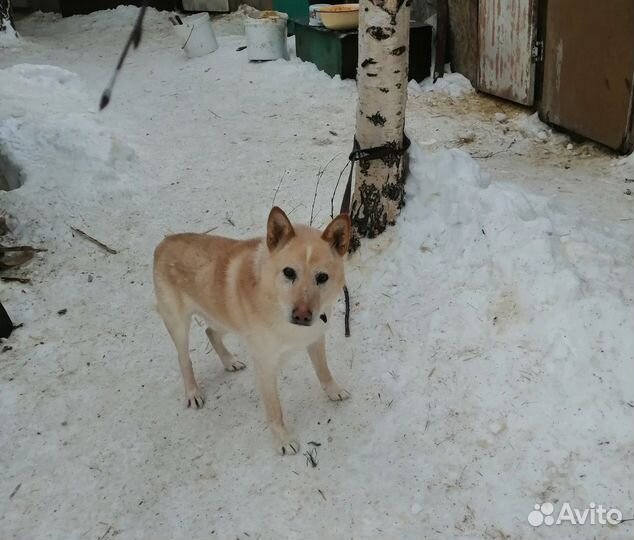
<point>199,272</point>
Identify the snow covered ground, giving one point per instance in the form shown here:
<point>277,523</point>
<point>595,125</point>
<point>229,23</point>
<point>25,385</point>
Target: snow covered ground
<point>492,355</point>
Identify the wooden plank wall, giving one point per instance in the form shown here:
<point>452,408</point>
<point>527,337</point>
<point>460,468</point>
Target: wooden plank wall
<point>463,38</point>
<point>507,32</point>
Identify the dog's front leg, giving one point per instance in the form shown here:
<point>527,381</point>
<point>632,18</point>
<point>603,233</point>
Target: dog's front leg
<point>317,353</point>
<point>266,369</point>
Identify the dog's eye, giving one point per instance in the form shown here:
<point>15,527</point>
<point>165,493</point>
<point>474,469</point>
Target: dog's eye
<point>290,273</point>
<point>321,278</point>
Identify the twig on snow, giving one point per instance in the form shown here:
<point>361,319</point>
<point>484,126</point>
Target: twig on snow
<point>103,536</point>
<point>491,154</point>
<point>23,254</point>
<point>277,189</point>
<point>8,279</point>
<point>320,173</point>
<point>294,208</point>
<point>15,490</point>
<point>311,457</point>
<point>94,241</point>
<point>334,193</point>
<point>7,249</point>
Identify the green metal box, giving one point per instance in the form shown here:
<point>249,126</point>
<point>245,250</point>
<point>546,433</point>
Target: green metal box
<point>331,51</point>
<point>337,53</point>
<point>297,9</point>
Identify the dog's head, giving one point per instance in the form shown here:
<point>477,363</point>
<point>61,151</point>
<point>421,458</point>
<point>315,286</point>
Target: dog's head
<point>305,266</point>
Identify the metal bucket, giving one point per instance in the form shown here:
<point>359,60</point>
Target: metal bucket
<point>313,14</point>
<point>266,37</point>
<point>197,35</point>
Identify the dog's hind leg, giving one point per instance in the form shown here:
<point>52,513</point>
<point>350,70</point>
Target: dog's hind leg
<point>227,359</point>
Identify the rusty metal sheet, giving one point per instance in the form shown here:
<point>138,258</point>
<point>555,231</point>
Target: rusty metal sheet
<point>506,35</point>
<point>588,69</point>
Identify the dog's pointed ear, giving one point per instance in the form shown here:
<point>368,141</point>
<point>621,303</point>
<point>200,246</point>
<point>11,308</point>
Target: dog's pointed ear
<point>338,233</point>
<point>278,229</point>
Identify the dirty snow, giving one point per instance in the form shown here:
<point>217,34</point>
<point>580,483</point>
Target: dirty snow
<point>452,84</point>
<point>532,126</point>
<point>491,361</point>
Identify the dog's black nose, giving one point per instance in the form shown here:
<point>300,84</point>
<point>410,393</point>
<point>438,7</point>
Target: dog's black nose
<point>302,315</point>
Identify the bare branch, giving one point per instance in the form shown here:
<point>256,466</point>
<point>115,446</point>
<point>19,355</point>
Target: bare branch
<point>320,173</point>
<point>133,39</point>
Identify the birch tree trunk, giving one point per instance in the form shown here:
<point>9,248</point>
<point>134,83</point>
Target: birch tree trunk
<point>382,84</point>
<point>6,16</point>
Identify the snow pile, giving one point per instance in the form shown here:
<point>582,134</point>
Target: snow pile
<point>532,127</point>
<point>120,18</point>
<point>454,85</point>
<point>506,345</point>
<point>414,89</point>
<point>50,133</point>
<point>233,23</point>
<point>626,163</point>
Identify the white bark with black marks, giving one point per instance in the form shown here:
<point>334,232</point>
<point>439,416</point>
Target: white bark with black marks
<point>382,83</point>
<point>6,17</point>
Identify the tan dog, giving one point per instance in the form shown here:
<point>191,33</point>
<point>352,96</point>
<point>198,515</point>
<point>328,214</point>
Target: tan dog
<point>275,292</point>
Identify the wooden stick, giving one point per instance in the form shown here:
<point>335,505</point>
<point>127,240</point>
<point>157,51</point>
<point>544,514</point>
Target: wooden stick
<point>346,296</point>
<point>133,39</point>
<point>94,241</point>
<point>7,249</point>
<point>23,280</point>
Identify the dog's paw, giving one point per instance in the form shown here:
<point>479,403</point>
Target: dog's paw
<point>195,399</point>
<point>235,365</point>
<point>288,447</point>
<point>336,392</point>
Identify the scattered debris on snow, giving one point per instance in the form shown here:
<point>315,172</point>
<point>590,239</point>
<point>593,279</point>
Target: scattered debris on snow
<point>532,127</point>
<point>454,85</point>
